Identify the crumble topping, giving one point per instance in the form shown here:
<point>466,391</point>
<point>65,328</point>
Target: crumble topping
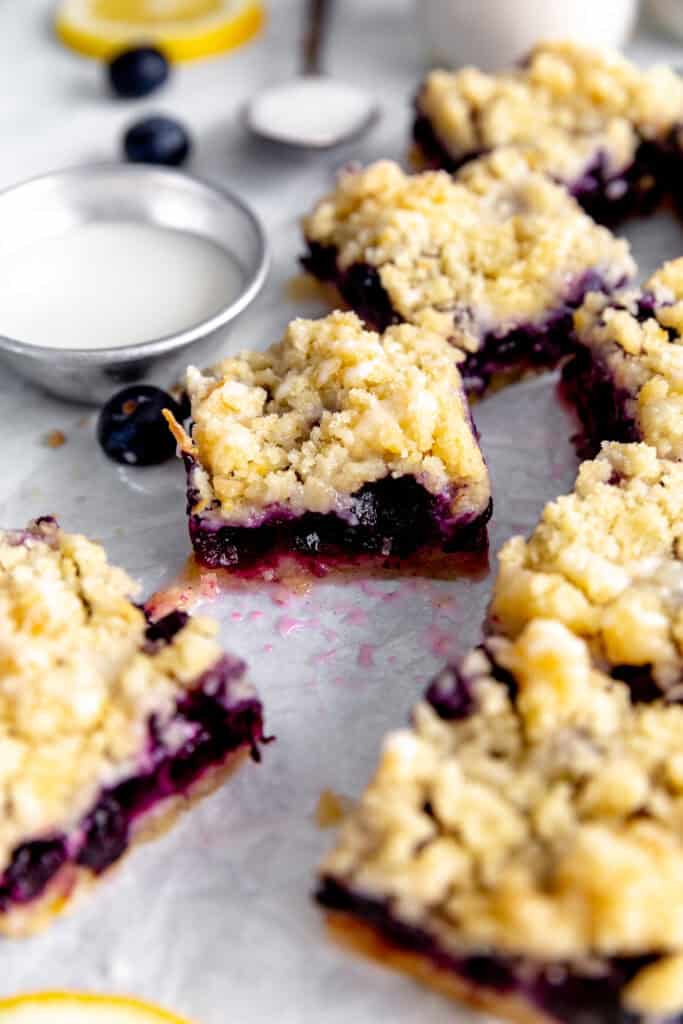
<point>77,686</point>
<point>547,826</point>
<point>328,409</point>
<point>643,354</point>
<point>567,107</point>
<point>607,561</point>
<point>499,248</point>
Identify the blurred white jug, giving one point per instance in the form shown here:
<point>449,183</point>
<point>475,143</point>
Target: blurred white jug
<point>669,15</point>
<point>495,33</point>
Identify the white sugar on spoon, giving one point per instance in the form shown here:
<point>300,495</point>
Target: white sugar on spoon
<point>312,111</point>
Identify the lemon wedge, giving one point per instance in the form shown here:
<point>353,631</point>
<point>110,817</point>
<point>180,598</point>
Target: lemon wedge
<point>184,29</point>
<point>77,1008</point>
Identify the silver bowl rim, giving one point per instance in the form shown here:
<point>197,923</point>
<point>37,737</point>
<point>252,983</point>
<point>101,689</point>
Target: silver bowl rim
<point>154,347</point>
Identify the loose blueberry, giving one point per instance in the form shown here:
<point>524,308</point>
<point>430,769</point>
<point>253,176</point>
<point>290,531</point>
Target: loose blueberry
<point>157,140</point>
<point>138,72</point>
<point>131,428</point>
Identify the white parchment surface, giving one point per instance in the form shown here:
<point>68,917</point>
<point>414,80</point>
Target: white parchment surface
<point>215,920</point>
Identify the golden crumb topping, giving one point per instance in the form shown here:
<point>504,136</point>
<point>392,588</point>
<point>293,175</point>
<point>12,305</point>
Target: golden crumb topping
<point>499,248</point>
<point>566,107</point>
<point>548,825</point>
<point>607,561</point>
<point>77,686</point>
<point>643,354</point>
<point>330,408</point>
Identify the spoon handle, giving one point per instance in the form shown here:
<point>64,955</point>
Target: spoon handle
<point>317,21</point>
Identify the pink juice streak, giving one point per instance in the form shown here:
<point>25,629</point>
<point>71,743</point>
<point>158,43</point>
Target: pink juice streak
<point>355,617</point>
<point>347,683</point>
<point>440,643</point>
<point>236,616</point>
<point>324,657</point>
<point>371,590</point>
<point>366,655</point>
<point>286,625</point>
<point>281,596</point>
<point>208,585</point>
<point>255,616</point>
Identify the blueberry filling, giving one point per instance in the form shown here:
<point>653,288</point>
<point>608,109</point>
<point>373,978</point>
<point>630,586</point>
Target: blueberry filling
<point>161,632</point>
<point>532,346</point>
<point>31,868</point>
<point>450,694</point>
<point>606,196</point>
<point>559,990</point>
<point>600,405</point>
<point>392,518</point>
<point>433,151</point>
<point>634,191</point>
<point>216,731</point>
<point>360,286</point>
<point>216,726</point>
<point>640,681</point>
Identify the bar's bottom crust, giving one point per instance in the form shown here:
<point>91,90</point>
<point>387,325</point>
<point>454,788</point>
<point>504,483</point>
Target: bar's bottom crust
<point>72,880</point>
<point>363,938</point>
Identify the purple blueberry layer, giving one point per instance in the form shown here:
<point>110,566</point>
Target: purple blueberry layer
<point>528,346</point>
<point>601,406</point>
<point>217,724</point>
<point>391,518</point>
<point>451,694</point>
<point>434,154</point>
<point>360,285</point>
<point>559,990</point>
<point>634,191</point>
<point>606,196</point>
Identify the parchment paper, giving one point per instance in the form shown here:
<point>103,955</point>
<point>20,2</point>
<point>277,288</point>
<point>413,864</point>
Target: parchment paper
<point>215,920</point>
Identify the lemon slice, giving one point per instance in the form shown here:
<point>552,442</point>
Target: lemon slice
<point>76,1008</point>
<point>184,29</point>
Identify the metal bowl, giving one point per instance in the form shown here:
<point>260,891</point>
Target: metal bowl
<point>56,203</point>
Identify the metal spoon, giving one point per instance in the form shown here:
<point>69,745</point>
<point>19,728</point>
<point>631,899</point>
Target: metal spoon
<point>312,111</point>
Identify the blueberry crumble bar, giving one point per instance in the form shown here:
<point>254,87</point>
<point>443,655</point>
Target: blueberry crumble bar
<point>336,442</point>
<point>626,376</point>
<point>109,724</point>
<point>495,262</point>
<point>520,846</point>
<point>591,120</point>
<point>607,562</point>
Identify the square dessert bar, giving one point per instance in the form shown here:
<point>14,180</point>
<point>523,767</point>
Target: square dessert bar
<point>495,262</point>
<point>607,562</point>
<point>336,442</point>
<point>521,846</point>
<point>626,377</point>
<point>109,724</point>
<point>591,120</point>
